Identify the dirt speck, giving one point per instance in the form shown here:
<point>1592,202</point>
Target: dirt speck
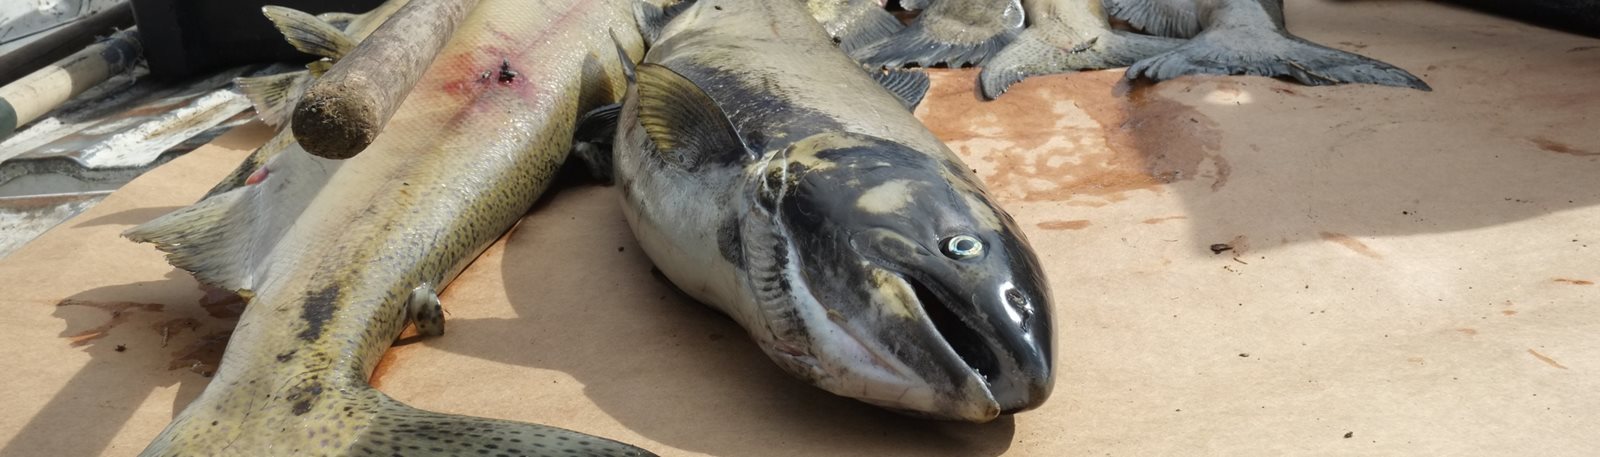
<point>1352,244</point>
<point>1575,282</point>
<point>1349,434</point>
<point>1078,224</point>
<point>1509,312</point>
<point>1220,248</point>
<point>120,348</point>
<point>1467,331</point>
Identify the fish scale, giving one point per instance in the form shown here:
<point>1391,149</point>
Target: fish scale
<point>332,272</point>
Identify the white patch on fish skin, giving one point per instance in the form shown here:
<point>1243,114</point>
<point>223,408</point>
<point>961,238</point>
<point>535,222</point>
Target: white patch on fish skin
<point>886,198</point>
<point>985,215</point>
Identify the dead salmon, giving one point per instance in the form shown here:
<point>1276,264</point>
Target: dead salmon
<point>337,257</point>
<point>856,249</point>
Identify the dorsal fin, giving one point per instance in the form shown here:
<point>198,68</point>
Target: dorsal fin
<point>686,125</point>
<point>653,17</point>
<point>908,85</point>
<point>309,34</point>
<point>274,96</point>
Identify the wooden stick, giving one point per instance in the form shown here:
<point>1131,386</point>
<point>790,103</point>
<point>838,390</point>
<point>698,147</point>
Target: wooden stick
<point>345,109</point>
<point>34,95</point>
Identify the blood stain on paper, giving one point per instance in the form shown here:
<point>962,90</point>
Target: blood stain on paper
<point>1546,359</point>
<point>1561,148</point>
<point>1078,224</point>
<point>1351,243</point>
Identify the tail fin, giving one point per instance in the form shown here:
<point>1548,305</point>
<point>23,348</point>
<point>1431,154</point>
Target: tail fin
<point>1038,52</point>
<point>1273,54</point>
<point>362,421</point>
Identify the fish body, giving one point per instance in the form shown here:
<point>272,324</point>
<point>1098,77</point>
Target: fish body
<point>859,253</point>
<point>338,256</point>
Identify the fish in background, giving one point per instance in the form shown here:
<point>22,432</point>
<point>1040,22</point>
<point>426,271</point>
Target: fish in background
<point>337,257</point>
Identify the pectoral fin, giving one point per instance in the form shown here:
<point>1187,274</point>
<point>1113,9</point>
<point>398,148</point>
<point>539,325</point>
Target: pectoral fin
<point>686,125</point>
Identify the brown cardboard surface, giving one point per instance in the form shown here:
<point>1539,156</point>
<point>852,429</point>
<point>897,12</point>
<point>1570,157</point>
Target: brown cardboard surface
<point>1412,274</point>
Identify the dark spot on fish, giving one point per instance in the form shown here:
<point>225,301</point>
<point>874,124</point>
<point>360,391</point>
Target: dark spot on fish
<point>729,242</point>
<point>302,407</point>
<point>507,75</point>
<point>318,309</point>
<point>284,357</point>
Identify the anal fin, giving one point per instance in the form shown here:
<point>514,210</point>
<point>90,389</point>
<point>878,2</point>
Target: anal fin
<point>910,86</point>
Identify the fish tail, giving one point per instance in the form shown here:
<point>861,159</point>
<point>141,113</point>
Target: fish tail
<point>1039,52</point>
<point>1272,54</point>
<point>363,421</point>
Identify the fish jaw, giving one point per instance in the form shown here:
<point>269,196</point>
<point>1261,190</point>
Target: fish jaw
<point>872,308</point>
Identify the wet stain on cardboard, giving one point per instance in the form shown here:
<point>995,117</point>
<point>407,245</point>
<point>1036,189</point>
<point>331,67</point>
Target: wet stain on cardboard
<point>203,355</point>
<point>1078,224</point>
<point>1351,243</point>
<point>390,357</point>
<point>220,303</point>
<point>119,311</point>
<point>1094,144</point>
<point>1468,331</point>
<point>1561,148</point>
<point>1546,359</point>
<point>1158,220</point>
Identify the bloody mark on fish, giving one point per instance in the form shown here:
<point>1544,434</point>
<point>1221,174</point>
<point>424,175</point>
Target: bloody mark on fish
<point>1351,243</point>
<point>1095,145</point>
<point>317,310</point>
<point>120,313</point>
<point>1575,282</point>
<point>1546,359</point>
<point>202,356</point>
<point>221,303</point>
<point>1561,148</point>
<point>1079,224</point>
<point>256,176</point>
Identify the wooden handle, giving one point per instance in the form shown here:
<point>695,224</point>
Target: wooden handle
<point>345,109</point>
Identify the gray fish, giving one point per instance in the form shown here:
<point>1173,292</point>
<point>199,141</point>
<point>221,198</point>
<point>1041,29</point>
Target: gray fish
<point>767,176</point>
<point>1245,37</point>
<point>338,257</point>
<point>951,32</point>
<point>1065,36</point>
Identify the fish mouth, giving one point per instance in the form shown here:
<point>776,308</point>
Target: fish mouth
<point>959,336</point>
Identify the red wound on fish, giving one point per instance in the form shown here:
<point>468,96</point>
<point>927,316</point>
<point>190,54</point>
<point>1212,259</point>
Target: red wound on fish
<point>255,178</point>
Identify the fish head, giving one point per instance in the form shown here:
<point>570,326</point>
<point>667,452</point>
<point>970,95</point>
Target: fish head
<point>906,286</point>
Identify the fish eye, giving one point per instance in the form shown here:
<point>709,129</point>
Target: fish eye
<point>962,247</point>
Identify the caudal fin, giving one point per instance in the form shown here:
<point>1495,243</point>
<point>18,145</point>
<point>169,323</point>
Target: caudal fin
<point>1038,52</point>
<point>1272,54</point>
<point>363,422</point>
